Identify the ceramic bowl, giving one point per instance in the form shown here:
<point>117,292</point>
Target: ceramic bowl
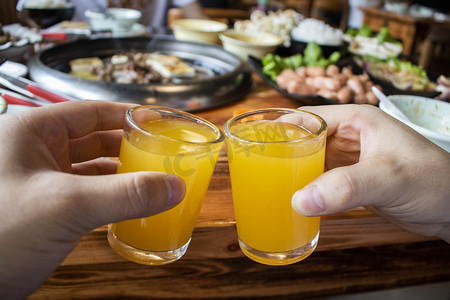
<point>429,117</point>
<point>198,30</point>
<point>243,44</point>
<point>116,19</point>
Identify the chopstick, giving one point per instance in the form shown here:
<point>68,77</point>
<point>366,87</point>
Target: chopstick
<point>32,90</point>
<point>18,99</point>
<point>10,99</point>
<point>5,82</point>
<point>45,94</point>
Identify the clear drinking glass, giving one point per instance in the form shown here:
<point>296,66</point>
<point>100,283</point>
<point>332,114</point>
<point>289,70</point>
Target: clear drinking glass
<point>165,140</point>
<point>272,153</point>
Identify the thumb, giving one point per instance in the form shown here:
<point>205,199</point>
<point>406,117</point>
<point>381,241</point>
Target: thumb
<point>99,200</point>
<point>343,188</point>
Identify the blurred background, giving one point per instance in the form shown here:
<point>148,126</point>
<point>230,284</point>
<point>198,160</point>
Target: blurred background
<point>343,14</point>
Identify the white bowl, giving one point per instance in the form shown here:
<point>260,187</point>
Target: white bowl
<point>115,19</point>
<point>198,30</point>
<point>429,117</point>
<point>244,44</point>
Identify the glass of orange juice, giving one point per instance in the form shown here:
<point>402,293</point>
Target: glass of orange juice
<point>272,153</point>
<point>171,141</point>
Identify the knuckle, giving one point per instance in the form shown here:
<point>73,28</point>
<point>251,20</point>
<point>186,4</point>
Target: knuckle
<point>147,195</point>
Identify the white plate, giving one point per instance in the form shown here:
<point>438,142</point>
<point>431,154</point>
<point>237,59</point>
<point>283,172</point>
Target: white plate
<point>13,69</point>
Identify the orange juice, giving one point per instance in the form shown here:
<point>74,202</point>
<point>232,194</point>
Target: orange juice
<point>268,163</point>
<point>178,147</point>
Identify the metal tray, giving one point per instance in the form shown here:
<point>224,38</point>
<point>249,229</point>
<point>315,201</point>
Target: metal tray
<point>231,82</point>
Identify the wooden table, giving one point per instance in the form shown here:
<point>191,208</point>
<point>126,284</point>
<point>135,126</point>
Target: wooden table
<point>357,252</point>
<point>409,29</point>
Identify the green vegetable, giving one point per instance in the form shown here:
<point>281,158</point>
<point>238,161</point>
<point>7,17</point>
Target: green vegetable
<point>352,32</point>
<point>366,31</point>
<point>375,59</point>
<point>274,64</point>
<point>400,65</point>
<point>312,53</point>
<point>321,62</point>
<point>409,66</point>
<point>293,62</point>
<point>383,35</point>
<point>334,57</point>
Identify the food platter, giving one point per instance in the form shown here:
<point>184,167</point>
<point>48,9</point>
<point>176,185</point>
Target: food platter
<point>311,99</point>
<point>389,88</point>
<point>231,80</point>
<point>314,99</point>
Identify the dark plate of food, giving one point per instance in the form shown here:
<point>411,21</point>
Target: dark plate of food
<point>399,77</point>
<point>334,84</point>
<point>141,70</point>
<point>308,99</point>
<point>16,41</point>
<point>378,54</point>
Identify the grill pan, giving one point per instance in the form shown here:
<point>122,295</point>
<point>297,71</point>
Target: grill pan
<point>231,81</point>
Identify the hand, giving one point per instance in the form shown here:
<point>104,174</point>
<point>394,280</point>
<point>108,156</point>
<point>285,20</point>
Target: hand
<point>54,190</point>
<point>376,161</point>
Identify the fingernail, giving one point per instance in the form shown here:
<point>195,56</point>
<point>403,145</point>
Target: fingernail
<point>308,201</point>
<point>177,190</point>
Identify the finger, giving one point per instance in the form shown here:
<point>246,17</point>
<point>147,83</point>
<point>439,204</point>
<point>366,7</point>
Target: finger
<point>101,166</point>
<point>95,145</point>
<point>327,115</point>
<point>346,117</point>
<point>372,182</point>
<point>78,118</point>
<point>113,198</point>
